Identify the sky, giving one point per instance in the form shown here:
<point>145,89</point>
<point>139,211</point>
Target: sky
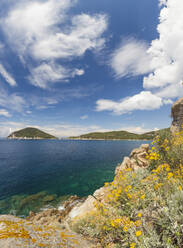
<point>71,67</point>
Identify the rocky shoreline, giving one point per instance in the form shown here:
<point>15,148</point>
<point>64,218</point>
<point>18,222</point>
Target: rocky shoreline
<point>50,228</point>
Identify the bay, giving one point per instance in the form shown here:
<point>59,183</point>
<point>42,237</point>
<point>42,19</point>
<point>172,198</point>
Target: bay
<point>34,173</point>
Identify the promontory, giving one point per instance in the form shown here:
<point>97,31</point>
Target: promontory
<point>30,133</point>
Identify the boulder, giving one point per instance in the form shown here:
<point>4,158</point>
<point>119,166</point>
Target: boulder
<point>137,159</point>
<point>83,208</point>
<point>177,115</point>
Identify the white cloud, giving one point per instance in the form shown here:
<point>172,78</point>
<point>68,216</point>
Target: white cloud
<point>163,58</point>
<point>138,129</point>
<point>84,117</point>
<point>166,51</point>
<point>5,113</point>
<point>131,58</point>
<point>83,34</point>
<point>28,22</point>
<point>12,101</point>
<point>78,72</point>
<point>145,100</point>
<point>162,61</point>
<point>171,91</point>
<point>45,32</point>
<point>48,73</point>
<point>9,79</point>
<point>8,127</point>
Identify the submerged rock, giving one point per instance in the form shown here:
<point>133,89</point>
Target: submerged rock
<point>56,215</point>
<point>49,198</point>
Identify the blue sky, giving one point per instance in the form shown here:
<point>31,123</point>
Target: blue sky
<point>75,66</point>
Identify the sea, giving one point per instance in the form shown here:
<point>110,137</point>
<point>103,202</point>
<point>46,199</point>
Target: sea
<point>39,174</point>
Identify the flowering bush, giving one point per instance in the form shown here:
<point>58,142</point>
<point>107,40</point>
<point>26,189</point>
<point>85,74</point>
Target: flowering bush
<point>142,208</point>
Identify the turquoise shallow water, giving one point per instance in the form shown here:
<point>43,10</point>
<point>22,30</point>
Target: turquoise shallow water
<point>35,173</point>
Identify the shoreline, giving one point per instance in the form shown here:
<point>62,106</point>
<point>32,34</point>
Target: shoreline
<point>83,139</point>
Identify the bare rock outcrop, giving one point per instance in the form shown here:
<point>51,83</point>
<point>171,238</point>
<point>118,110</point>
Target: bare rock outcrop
<point>137,159</point>
<point>54,215</point>
<point>177,115</point>
<point>17,232</point>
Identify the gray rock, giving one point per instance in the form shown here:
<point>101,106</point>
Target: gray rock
<point>177,115</point>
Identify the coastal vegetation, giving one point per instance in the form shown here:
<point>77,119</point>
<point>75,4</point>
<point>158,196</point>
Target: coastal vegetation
<point>30,133</point>
<point>120,135</point>
<point>142,208</point>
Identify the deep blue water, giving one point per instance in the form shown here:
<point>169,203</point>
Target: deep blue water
<point>57,167</point>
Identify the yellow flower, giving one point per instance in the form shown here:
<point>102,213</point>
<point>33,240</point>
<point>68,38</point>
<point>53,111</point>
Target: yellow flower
<point>129,196</point>
<point>142,197</point>
<point>170,174</point>
<point>132,245</point>
<point>125,229</point>
<point>138,223</point>
<point>138,233</point>
<point>180,188</point>
<point>139,215</point>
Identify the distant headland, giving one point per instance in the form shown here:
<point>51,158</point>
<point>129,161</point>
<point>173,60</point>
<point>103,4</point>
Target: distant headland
<point>30,133</point>
<point>119,135</point>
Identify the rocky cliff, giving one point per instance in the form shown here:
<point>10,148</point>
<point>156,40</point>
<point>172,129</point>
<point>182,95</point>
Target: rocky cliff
<point>177,115</point>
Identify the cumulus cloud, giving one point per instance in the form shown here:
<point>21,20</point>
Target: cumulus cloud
<point>143,101</point>
<point>166,51</point>
<point>160,62</point>
<point>131,58</point>
<point>44,32</point>
<point>162,59</point>
<point>5,113</point>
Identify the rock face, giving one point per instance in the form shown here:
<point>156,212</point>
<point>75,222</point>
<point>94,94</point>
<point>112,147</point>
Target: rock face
<point>136,160</point>
<point>177,115</point>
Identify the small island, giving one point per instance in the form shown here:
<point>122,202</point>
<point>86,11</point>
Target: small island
<point>30,133</point>
<point>119,135</point>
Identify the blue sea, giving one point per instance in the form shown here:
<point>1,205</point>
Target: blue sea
<point>41,173</point>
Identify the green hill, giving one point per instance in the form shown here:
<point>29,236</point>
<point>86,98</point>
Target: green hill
<point>121,135</point>
<point>30,133</point>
